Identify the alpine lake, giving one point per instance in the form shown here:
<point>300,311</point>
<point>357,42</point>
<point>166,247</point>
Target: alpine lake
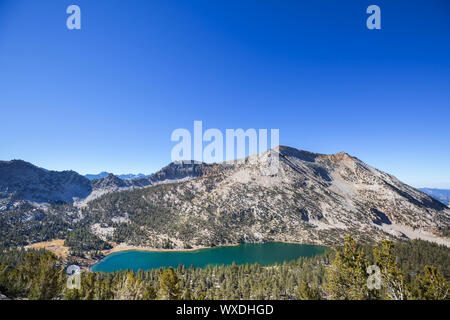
<point>262,253</point>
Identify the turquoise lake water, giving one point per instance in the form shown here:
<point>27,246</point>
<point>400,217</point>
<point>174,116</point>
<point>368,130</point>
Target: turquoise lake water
<point>264,254</point>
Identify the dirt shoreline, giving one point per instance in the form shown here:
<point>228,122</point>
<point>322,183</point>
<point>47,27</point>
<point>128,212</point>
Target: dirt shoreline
<point>123,248</point>
<point>120,248</point>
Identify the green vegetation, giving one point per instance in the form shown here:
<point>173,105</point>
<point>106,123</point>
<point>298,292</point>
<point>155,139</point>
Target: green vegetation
<point>169,285</point>
<point>409,270</point>
<point>35,275</point>
<point>25,224</point>
<point>82,240</point>
<point>347,275</point>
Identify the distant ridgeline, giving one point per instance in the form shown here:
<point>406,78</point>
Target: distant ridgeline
<point>104,174</point>
<point>442,195</point>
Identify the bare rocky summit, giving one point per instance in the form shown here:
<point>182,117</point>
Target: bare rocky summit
<point>312,198</point>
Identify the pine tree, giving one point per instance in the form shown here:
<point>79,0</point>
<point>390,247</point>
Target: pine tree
<point>149,293</point>
<point>347,277</point>
<point>392,280</point>
<point>169,284</point>
<point>130,288</point>
<point>305,292</point>
<point>44,276</point>
<point>431,286</point>
<point>186,294</point>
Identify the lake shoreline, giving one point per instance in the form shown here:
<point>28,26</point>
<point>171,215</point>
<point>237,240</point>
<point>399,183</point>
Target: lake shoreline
<point>57,247</point>
<point>122,248</point>
<point>127,248</point>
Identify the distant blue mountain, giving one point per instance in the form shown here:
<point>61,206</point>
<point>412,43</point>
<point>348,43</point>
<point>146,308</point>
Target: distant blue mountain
<point>104,174</point>
<point>442,195</point>
<point>132,176</point>
<point>101,175</point>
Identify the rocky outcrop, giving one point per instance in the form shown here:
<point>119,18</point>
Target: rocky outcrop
<point>111,181</point>
<point>174,172</point>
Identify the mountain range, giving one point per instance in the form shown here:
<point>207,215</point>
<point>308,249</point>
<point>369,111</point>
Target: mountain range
<point>442,195</point>
<point>312,198</point>
<point>104,174</point>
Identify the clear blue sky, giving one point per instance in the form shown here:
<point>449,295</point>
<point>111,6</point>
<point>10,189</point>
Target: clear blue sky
<point>109,96</point>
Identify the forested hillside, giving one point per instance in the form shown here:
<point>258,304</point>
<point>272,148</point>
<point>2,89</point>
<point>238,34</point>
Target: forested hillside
<point>409,270</point>
<point>311,198</point>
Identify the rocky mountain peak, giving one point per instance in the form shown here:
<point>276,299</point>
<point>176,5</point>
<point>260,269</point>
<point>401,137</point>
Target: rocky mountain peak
<point>111,181</point>
<point>22,180</point>
<point>179,170</point>
<point>341,156</point>
<point>311,156</point>
<point>312,198</point>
